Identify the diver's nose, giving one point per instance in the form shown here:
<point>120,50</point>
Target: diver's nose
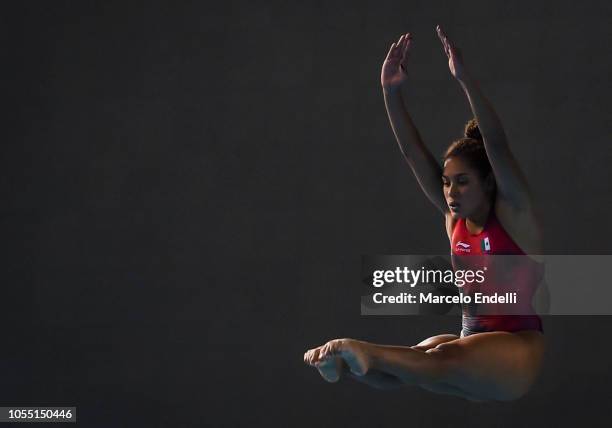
<point>453,191</point>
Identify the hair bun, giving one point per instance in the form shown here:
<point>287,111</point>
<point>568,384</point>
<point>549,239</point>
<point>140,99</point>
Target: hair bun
<point>472,130</point>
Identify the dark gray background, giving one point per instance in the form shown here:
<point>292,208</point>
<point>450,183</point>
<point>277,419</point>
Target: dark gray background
<point>187,190</point>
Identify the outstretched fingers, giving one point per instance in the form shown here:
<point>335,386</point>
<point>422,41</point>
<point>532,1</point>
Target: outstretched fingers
<point>397,49</point>
<point>406,51</point>
<point>390,53</point>
<point>449,47</point>
<point>445,42</point>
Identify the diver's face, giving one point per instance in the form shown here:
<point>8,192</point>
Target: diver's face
<point>464,190</point>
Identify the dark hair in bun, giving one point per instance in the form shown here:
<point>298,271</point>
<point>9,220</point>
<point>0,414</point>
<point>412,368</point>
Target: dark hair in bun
<point>472,130</point>
<point>471,149</point>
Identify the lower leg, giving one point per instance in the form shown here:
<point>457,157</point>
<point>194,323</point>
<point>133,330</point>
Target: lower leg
<point>485,366</point>
<point>333,367</point>
<point>410,366</point>
<point>387,367</point>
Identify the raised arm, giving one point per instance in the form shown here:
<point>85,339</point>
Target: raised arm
<point>511,183</point>
<point>423,164</point>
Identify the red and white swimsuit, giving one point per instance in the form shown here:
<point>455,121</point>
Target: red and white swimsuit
<point>508,270</point>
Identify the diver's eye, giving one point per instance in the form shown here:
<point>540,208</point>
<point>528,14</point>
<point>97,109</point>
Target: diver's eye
<point>445,183</point>
<point>462,181</point>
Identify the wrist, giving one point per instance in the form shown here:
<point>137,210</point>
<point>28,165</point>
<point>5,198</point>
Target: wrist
<point>467,82</point>
<point>391,89</point>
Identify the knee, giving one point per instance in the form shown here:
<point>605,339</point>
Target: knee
<point>457,367</point>
<point>449,358</point>
<point>450,352</point>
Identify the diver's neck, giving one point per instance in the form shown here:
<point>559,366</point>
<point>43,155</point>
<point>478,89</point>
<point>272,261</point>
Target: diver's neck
<point>476,223</point>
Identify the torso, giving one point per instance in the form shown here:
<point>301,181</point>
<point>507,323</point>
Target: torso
<point>508,270</point>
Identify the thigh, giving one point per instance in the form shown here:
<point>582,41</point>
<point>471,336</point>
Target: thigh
<point>434,341</point>
<point>495,365</point>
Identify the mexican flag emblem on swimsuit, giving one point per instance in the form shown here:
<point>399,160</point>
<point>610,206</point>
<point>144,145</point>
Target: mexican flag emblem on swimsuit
<point>485,245</point>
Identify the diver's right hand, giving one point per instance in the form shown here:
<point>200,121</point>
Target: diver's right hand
<point>393,72</point>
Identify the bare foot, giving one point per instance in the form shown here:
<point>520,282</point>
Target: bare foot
<point>329,368</point>
<point>351,351</point>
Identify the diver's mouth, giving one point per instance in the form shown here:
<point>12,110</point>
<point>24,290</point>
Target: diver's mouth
<point>454,206</point>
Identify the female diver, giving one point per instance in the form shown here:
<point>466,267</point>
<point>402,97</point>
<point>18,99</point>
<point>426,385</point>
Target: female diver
<point>483,193</point>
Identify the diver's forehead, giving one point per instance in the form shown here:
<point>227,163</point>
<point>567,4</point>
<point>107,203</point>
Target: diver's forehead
<point>457,175</point>
<point>455,167</point>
